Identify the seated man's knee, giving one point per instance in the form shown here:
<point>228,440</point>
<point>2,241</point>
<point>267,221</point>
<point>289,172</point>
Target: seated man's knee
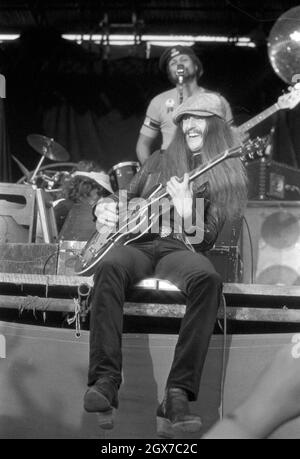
<point>210,278</point>
<point>107,267</point>
<point>215,278</point>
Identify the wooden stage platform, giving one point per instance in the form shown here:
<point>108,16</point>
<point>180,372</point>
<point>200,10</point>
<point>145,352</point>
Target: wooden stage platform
<point>152,297</point>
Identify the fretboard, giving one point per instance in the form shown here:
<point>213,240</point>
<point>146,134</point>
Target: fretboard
<point>259,118</point>
<point>195,173</point>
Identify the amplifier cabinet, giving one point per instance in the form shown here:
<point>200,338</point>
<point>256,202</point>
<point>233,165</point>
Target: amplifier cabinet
<point>227,262</point>
<point>271,243</point>
<point>272,180</point>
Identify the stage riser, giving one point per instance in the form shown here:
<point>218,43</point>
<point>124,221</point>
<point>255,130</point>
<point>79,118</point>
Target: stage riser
<point>28,258</point>
<point>43,379</point>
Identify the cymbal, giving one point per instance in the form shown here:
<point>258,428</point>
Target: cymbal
<point>48,147</point>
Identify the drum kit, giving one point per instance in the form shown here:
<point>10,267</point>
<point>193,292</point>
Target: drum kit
<point>50,179</point>
<point>47,177</point>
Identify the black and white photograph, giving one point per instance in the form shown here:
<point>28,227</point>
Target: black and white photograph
<point>149,222</point>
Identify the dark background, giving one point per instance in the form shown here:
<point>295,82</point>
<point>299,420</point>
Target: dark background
<point>92,99</point>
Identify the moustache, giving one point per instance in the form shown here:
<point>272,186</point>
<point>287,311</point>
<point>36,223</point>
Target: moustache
<point>194,131</point>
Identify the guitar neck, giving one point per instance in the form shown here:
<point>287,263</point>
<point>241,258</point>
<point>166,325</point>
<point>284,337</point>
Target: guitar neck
<point>259,118</point>
<point>195,173</point>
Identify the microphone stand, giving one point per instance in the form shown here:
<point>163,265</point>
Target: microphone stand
<point>180,75</point>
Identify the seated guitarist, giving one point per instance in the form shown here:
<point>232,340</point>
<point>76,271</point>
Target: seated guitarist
<point>202,134</point>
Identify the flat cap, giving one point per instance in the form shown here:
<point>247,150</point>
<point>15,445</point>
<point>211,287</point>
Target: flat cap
<point>201,104</point>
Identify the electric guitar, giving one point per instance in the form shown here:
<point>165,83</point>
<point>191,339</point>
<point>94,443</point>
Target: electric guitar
<point>287,101</point>
<point>141,219</point>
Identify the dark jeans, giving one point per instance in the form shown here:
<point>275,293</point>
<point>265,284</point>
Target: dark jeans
<point>168,259</point>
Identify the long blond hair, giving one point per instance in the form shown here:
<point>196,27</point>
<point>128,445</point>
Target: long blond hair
<point>227,181</point>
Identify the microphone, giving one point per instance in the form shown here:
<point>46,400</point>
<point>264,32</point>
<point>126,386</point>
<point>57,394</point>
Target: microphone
<point>180,73</point>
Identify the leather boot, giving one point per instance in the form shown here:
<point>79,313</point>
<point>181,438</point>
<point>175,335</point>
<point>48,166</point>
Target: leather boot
<point>101,398</point>
<point>173,414</point>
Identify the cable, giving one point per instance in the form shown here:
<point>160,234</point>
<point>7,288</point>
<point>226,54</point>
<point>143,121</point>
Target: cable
<point>48,259</point>
<point>221,407</point>
<point>251,249</point>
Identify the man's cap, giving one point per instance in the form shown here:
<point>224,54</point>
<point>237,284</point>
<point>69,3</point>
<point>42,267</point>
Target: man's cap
<point>176,50</point>
<point>100,177</point>
<point>201,104</point>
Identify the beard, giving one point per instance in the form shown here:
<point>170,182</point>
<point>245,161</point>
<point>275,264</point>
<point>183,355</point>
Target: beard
<point>190,74</point>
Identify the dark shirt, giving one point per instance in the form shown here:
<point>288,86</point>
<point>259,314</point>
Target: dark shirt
<point>148,178</point>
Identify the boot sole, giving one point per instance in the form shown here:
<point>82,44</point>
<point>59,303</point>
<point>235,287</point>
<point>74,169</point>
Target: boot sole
<point>188,426</point>
<point>105,420</point>
<point>95,402</point>
<point>166,429</point>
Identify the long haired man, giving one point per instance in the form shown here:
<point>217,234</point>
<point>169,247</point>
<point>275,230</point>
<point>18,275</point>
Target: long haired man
<point>202,134</point>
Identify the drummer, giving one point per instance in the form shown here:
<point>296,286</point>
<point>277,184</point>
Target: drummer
<point>86,184</point>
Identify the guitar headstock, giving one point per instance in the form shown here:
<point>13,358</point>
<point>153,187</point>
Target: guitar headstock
<point>291,99</point>
<point>253,148</point>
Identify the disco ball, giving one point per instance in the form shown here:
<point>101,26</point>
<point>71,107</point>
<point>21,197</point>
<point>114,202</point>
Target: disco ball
<point>284,46</point>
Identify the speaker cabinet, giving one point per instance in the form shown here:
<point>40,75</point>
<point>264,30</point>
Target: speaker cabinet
<point>271,243</point>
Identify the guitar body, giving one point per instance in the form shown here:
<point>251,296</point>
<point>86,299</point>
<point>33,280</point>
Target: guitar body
<point>102,242</point>
<point>96,248</point>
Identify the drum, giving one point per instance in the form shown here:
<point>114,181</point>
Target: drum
<point>121,174</point>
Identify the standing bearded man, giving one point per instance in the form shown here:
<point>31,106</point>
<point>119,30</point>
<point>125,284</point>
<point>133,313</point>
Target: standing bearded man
<point>184,70</point>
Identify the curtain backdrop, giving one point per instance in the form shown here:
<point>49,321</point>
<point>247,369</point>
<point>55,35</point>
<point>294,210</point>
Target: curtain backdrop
<point>108,139</point>
<point>5,162</point>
